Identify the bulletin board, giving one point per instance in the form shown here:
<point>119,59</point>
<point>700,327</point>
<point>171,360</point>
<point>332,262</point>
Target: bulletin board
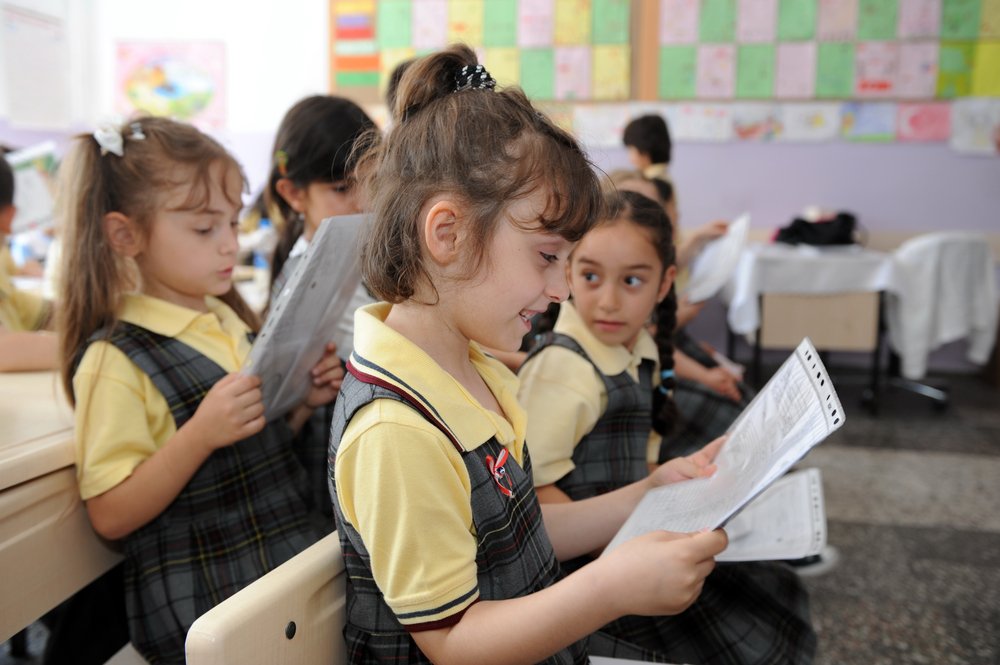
<point>719,70</point>
<point>564,50</point>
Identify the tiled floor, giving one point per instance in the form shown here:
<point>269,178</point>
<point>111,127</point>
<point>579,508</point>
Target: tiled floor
<point>913,504</point>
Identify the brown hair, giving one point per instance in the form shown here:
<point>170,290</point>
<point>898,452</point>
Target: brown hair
<point>487,148</point>
<point>649,215</point>
<point>94,278</point>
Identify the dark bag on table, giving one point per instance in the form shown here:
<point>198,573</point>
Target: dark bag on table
<point>839,230</point>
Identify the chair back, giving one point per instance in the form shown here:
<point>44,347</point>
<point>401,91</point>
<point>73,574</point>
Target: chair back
<point>294,614</point>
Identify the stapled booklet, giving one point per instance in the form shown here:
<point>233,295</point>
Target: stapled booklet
<point>796,410</point>
<point>305,315</point>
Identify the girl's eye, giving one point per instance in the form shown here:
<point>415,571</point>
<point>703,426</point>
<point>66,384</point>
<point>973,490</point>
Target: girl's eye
<point>549,258</point>
<point>203,232</point>
<point>589,276</point>
<point>632,280</point>
<point>341,188</point>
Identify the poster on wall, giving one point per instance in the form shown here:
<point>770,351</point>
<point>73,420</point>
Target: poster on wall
<point>184,80</point>
<point>36,69</point>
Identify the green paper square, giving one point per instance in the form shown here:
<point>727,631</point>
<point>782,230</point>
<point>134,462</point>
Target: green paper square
<point>796,20</point>
<point>835,70</point>
<point>500,23</point>
<point>393,23</point>
<point>955,63</point>
<point>717,23</point>
<point>357,80</point>
<point>678,71</point>
<point>611,21</point>
<point>538,73</point>
<point>755,71</point>
<point>960,19</point>
<point>877,20</point>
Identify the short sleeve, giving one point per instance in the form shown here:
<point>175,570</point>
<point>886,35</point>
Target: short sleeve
<point>405,489</point>
<point>563,398</point>
<point>120,417</point>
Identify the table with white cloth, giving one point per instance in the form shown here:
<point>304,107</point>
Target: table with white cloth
<point>831,294</point>
<point>48,550</point>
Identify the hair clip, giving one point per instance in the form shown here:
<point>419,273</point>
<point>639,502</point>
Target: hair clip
<point>473,77</point>
<point>281,159</point>
<point>137,134</point>
<point>666,374</point>
<point>109,138</point>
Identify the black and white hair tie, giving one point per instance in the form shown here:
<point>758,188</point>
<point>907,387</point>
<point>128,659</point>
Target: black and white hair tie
<point>474,77</point>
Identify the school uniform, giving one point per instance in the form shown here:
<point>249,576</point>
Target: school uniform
<point>19,311</point>
<point>433,496</point>
<point>241,514</point>
<point>747,612</point>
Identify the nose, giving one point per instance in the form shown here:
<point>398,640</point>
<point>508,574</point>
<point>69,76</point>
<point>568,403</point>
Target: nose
<point>608,298</point>
<point>230,242</point>
<point>557,286</point>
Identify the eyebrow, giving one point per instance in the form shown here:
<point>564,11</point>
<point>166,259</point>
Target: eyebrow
<point>635,266</point>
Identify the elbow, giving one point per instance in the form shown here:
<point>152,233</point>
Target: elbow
<point>105,522</point>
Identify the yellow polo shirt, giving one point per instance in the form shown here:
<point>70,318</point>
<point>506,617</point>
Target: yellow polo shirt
<point>121,417</point>
<point>402,483</point>
<point>19,311</point>
<point>565,397</point>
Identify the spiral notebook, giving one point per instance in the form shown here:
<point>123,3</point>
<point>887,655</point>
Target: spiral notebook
<point>796,410</point>
<point>306,315</point>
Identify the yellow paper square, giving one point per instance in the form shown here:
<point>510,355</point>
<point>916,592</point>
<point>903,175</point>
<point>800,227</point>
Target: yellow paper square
<point>572,22</point>
<point>504,65</point>
<point>465,22</point>
<point>348,7</point>
<point>989,19</point>
<point>986,71</point>
<point>611,67</point>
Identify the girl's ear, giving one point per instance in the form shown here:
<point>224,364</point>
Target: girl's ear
<point>443,230</point>
<point>292,193</point>
<point>123,234</point>
<point>668,280</point>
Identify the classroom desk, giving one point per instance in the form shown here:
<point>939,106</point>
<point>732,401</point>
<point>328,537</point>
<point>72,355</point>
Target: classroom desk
<point>781,293</point>
<point>48,550</point>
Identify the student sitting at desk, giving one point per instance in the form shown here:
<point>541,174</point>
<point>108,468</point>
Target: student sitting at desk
<point>25,343</point>
<point>173,454</point>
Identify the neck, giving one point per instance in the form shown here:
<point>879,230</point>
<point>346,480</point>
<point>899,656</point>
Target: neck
<point>428,328</point>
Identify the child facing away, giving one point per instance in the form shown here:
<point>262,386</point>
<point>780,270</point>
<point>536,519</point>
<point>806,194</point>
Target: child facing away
<point>477,199</point>
<point>25,319</point>
<point>173,454</point>
<point>597,393</point>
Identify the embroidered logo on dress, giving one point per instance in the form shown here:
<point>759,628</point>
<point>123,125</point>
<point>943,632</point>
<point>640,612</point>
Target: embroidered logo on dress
<point>496,467</point>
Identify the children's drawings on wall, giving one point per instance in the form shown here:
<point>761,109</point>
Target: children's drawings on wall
<point>181,80</point>
<point>809,121</point>
<point>868,122</point>
<point>924,121</point>
<point>976,126</point>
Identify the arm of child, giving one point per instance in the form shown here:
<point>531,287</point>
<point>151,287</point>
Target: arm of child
<point>28,351</point>
<point>715,378</point>
<point>696,241</point>
<point>231,411</point>
<point>660,573</point>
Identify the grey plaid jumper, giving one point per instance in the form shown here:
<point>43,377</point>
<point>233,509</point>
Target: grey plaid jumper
<point>748,613</point>
<point>240,515</point>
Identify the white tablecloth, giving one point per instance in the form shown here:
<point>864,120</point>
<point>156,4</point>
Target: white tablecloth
<point>800,269</point>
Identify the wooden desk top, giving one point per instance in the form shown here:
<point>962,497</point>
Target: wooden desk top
<point>36,427</point>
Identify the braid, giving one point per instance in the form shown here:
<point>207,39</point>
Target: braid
<point>665,414</point>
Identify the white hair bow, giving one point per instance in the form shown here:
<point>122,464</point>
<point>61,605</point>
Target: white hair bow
<point>110,140</point>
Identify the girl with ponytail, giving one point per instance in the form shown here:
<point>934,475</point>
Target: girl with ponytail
<point>598,393</point>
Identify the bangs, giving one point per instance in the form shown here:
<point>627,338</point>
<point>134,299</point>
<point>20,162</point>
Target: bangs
<point>574,201</point>
<point>200,192</point>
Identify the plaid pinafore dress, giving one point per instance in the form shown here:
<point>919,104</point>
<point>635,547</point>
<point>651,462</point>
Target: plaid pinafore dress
<point>241,515</point>
<point>747,613</point>
<point>514,556</point>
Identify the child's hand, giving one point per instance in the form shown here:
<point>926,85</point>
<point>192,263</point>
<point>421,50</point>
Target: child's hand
<point>695,465</point>
<point>723,383</point>
<point>327,376</point>
<point>231,411</point>
<point>662,573</point>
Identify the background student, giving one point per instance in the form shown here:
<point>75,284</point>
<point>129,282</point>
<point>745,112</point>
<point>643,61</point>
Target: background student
<point>173,454</point>
<point>598,394</point>
<point>25,318</point>
<point>476,199</point>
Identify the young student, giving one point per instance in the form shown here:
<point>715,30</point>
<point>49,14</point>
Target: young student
<point>476,199</point>
<point>25,342</point>
<point>311,179</point>
<point>647,139</point>
<point>173,454</point>
<point>597,395</point>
